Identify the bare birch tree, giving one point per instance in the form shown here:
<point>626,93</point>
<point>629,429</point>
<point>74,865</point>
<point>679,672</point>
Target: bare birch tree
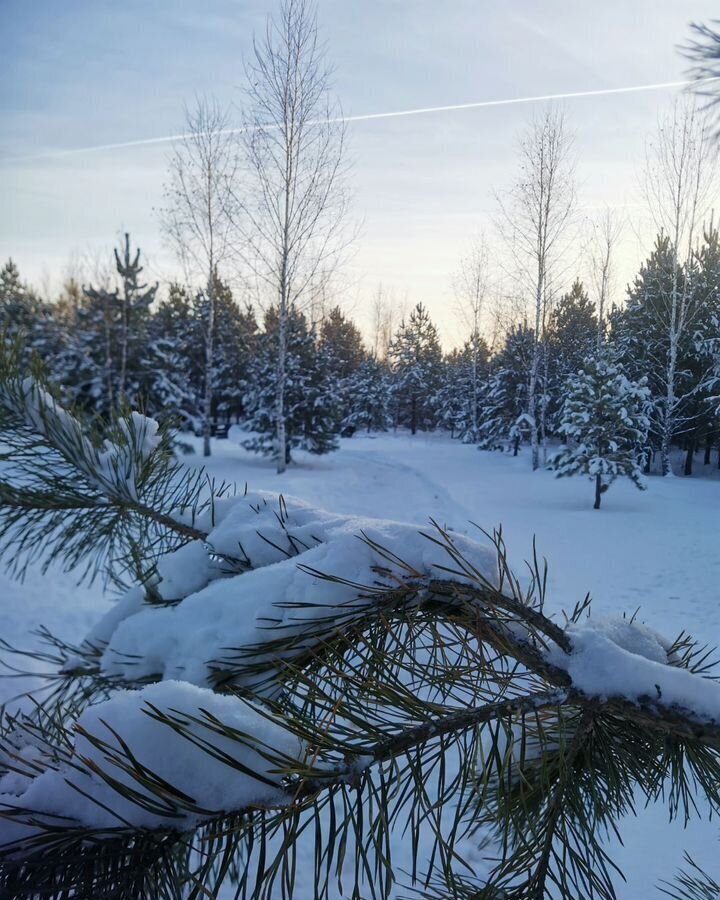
<point>293,140</point>
<point>200,213</point>
<point>680,181</point>
<point>606,233</point>
<point>534,220</point>
<point>386,313</point>
<point>471,288</point>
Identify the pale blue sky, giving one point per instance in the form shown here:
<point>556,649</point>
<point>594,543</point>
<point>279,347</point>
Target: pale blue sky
<point>75,73</point>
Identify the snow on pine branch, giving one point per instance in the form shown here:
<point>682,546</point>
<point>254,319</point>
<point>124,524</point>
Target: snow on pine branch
<point>309,574</point>
<point>219,620</point>
<point>104,499</point>
<point>194,754</point>
<point>620,658</point>
<point>115,467</point>
<point>176,753</point>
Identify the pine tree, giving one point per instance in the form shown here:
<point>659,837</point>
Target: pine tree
<point>113,333</point>
<point>176,360</point>
<point>23,313</point>
<point>312,416</point>
<point>459,397</point>
<point>364,397</point>
<point>416,363</point>
<point>135,300</point>
<point>342,343</point>
<point>652,341</point>
<point>572,329</point>
<point>571,336</point>
<point>503,420</point>
<point>604,422</point>
<point>235,331</point>
<point>700,424</point>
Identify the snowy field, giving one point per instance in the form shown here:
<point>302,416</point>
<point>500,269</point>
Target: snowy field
<point>656,552</point>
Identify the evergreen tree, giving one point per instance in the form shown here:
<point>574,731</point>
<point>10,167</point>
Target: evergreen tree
<point>572,329</point>
<point>571,336</point>
<point>656,335</point>
<point>416,363</point>
<point>113,333</point>
<point>503,420</point>
<point>342,343</point>
<point>604,422</point>
<point>176,360</point>
<point>459,397</point>
<point>312,420</point>
<point>364,396</point>
<point>700,425</point>
<point>235,333</point>
<point>23,313</point>
<point>135,300</point>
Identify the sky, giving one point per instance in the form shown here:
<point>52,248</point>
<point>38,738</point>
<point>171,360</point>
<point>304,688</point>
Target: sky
<point>84,73</point>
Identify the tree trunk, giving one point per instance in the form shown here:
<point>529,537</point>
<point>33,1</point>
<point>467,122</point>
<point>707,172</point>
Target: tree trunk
<point>598,491</point>
<point>475,390</point>
<point>535,365</point>
<point>413,415</point>
<point>648,460</point>
<point>666,437</point>
<point>689,453</point>
<point>108,355</point>
<point>543,404</point>
<point>280,431</point>
<point>708,448</point>
<point>209,339</point>
<point>671,370</point>
<point>532,388</point>
<point>123,345</point>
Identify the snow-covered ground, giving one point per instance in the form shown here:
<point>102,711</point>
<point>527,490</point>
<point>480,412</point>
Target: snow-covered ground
<point>655,551</point>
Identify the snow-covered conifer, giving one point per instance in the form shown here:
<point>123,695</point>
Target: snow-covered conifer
<point>365,398</point>
<point>570,337</point>
<point>22,312</point>
<point>416,363</point>
<point>342,343</point>
<point>605,426</point>
<point>113,332</point>
<point>458,399</point>
<point>312,404</point>
<point>503,420</point>
<point>700,423</point>
<point>175,360</point>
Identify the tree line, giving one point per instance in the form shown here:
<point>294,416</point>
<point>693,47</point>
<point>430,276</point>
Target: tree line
<point>131,345</point>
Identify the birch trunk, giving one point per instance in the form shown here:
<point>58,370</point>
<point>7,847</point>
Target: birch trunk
<point>209,348</point>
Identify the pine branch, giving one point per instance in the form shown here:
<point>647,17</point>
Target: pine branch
<point>105,498</point>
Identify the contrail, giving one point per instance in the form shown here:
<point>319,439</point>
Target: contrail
<point>367,117</point>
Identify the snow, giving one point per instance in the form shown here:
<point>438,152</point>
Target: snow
<point>211,783</point>
<point>117,463</point>
<point>621,658</point>
<point>183,572</point>
<point>655,552</point>
<point>192,639</point>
